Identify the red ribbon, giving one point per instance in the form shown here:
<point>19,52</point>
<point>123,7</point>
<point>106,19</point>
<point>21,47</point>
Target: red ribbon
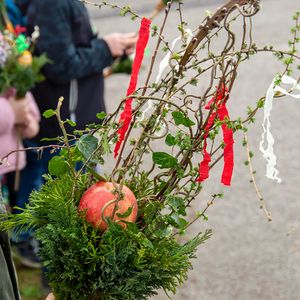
<point>223,115</point>
<point>126,115</point>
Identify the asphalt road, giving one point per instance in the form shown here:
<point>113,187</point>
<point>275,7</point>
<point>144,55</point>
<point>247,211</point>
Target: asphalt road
<point>248,258</point>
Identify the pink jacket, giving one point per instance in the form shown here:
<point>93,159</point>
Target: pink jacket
<point>8,136</point>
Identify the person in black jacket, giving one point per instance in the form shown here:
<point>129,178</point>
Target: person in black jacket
<point>78,58</point>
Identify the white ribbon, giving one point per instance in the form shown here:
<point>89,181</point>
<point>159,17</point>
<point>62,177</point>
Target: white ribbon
<point>267,137</point>
<point>164,64</point>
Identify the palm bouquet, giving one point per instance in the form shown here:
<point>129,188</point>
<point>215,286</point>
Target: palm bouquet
<point>122,234</point>
<point>19,69</point>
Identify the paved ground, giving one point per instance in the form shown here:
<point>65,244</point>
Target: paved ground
<point>247,258</point>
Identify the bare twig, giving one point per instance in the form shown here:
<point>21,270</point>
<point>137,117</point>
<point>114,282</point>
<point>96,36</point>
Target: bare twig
<point>253,180</point>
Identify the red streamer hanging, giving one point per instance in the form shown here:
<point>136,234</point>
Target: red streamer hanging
<point>126,115</point>
<point>223,115</point>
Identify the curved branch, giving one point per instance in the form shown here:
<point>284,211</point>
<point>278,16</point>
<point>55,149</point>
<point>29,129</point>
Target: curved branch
<point>211,23</point>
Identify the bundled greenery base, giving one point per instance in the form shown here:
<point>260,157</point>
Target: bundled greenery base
<point>86,264</point>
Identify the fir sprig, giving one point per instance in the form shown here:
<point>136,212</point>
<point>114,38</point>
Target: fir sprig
<point>87,264</point>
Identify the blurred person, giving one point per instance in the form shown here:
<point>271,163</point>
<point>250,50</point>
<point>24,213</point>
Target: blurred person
<point>24,115</point>
<point>25,248</point>
<point>78,58</point>
<point>76,73</point>
<point>16,114</point>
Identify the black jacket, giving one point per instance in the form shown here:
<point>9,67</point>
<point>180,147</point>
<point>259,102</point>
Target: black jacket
<point>77,55</point>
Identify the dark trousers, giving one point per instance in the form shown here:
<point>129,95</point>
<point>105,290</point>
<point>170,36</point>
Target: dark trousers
<point>31,178</point>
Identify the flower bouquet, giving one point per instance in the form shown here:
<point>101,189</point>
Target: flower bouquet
<point>119,234</point>
<point>19,69</point>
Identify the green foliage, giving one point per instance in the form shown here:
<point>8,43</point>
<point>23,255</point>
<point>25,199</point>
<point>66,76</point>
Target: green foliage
<point>288,58</point>
<point>181,119</point>
<point>182,140</point>
<point>164,160</point>
<point>48,113</point>
<point>58,166</point>
<point>22,78</point>
<point>71,123</point>
<point>87,144</point>
<point>120,263</point>
<point>101,115</point>
<point>170,140</point>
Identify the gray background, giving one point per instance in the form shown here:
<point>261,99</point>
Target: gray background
<point>247,256</point>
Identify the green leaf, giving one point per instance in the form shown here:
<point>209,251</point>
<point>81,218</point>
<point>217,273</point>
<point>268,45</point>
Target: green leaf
<point>178,221</point>
<point>177,204</point>
<point>147,243</point>
<point>105,143</point>
<point>63,152</point>
<point>101,115</point>
<point>163,232</point>
<point>71,123</point>
<point>164,160</point>
<point>181,119</point>
<point>87,144</point>
<point>49,113</point>
<point>58,166</point>
<point>170,140</point>
<point>176,56</point>
<point>126,214</point>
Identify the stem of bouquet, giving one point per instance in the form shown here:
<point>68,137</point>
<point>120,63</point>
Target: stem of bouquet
<point>17,171</point>
<point>18,145</point>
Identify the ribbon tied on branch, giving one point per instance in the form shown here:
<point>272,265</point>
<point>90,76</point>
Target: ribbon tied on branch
<point>218,103</point>
<point>126,115</point>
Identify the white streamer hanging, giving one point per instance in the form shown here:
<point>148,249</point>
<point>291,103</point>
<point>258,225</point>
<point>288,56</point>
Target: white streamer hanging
<point>267,137</point>
<point>164,64</point>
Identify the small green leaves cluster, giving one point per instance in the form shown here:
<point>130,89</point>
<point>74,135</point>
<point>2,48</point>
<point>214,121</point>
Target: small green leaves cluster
<point>289,59</point>
<point>180,139</point>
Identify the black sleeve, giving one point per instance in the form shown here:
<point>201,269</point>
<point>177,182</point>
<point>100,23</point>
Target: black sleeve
<point>56,40</point>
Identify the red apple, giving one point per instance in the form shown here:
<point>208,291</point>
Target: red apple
<point>97,203</point>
